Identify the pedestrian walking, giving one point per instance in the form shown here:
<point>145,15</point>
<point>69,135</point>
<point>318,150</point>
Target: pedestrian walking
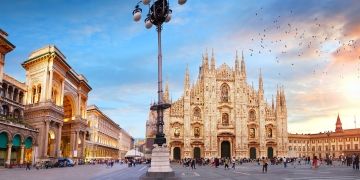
<point>265,164</point>
<point>233,163</point>
<point>193,164</point>
<point>226,162</point>
<point>28,165</point>
<point>356,161</point>
<point>315,162</point>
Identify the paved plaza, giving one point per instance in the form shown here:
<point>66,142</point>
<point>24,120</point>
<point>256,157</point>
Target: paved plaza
<point>243,172</point>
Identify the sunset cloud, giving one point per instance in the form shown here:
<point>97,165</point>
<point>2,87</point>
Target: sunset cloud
<point>311,47</point>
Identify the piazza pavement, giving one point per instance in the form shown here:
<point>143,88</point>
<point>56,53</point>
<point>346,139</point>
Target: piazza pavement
<point>242,172</point>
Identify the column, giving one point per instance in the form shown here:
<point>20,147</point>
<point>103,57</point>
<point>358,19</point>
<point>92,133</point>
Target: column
<point>50,84</point>
<point>79,105</point>
<point>46,134</point>
<point>72,137</point>
<point>58,141</point>
<point>22,154</point>
<point>83,145</point>
<point>76,143</point>
<point>34,154</point>
<point>8,156</point>
<point>62,93</point>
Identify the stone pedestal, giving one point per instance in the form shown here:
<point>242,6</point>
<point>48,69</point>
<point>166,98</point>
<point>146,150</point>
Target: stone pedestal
<point>160,165</point>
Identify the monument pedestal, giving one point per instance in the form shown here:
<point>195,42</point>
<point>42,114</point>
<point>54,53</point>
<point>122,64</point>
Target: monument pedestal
<point>160,165</point>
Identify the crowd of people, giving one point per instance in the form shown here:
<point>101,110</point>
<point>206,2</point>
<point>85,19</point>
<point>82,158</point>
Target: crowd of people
<point>264,162</point>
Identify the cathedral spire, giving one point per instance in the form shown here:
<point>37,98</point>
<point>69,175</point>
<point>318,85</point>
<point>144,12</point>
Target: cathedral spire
<point>206,61</point>
<point>166,93</point>
<point>261,85</point>
<point>338,124</point>
<point>187,78</point>
<point>243,70</point>
<point>212,60</point>
<point>272,102</point>
<point>277,97</point>
<point>237,68</point>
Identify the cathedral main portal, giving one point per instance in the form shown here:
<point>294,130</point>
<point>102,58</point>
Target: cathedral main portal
<point>225,149</point>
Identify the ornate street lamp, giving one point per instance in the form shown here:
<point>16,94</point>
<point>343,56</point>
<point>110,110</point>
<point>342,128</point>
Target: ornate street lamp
<point>159,12</point>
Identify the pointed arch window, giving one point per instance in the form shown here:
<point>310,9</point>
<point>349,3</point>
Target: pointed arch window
<point>252,115</point>
<point>197,114</point>
<point>225,119</point>
<point>225,92</point>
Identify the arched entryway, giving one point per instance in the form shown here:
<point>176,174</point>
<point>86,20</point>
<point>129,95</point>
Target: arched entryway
<point>15,150</point>
<point>28,149</point>
<point>225,149</point>
<point>51,144</point>
<point>270,152</point>
<point>176,153</point>
<point>68,140</point>
<point>252,153</point>
<point>197,152</point>
<point>3,147</point>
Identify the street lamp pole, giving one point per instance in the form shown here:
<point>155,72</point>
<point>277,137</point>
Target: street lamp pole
<point>159,12</point>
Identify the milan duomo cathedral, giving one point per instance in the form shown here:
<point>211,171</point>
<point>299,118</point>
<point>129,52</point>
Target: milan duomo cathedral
<point>221,115</point>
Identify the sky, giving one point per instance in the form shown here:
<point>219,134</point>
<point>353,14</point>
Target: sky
<point>310,47</point>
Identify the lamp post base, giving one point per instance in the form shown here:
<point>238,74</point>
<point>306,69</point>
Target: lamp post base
<point>160,165</point>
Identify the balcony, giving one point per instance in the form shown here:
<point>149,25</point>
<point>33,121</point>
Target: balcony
<point>48,105</point>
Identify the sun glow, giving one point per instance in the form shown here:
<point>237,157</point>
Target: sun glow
<point>351,89</point>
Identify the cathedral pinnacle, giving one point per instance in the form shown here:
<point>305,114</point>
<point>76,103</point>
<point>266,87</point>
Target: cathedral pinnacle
<point>261,88</point>
<point>243,71</point>
<point>237,68</point>
<point>166,93</point>
<point>212,60</point>
<point>187,78</point>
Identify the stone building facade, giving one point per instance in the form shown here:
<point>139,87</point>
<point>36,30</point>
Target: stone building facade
<point>126,143</point>
<point>221,115</point>
<point>103,142</point>
<point>55,104</point>
<point>341,142</point>
<point>17,138</point>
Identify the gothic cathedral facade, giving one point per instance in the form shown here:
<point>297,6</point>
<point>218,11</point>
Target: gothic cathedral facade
<point>221,115</point>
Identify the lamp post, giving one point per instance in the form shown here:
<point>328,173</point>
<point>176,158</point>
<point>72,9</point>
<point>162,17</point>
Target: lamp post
<point>158,14</point>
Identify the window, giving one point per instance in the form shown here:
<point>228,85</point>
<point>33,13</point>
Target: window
<point>225,92</point>
<point>252,115</point>
<point>356,147</point>
<point>269,133</point>
<point>290,148</point>
<point>252,132</point>
<point>333,147</point>
<point>340,147</point>
<point>197,114</point>
<point>197,132</point>
<point>225,119</point>
<point>348,146</point>
<point>319,148</point>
